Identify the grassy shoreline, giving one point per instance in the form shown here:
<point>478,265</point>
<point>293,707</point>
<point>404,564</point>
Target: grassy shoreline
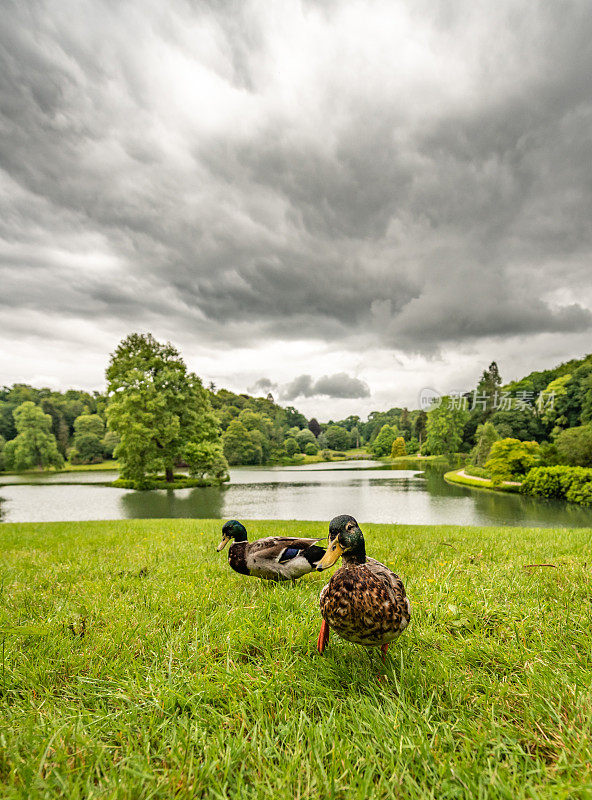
<point>135,664</point>
<point>479,483</point>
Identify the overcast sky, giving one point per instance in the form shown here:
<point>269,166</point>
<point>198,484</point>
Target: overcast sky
<point>340,202</point>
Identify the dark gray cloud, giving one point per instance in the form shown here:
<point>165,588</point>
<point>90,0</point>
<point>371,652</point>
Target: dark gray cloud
<point>262,386</point>
<point>402,176</point>
<point>339,385</point>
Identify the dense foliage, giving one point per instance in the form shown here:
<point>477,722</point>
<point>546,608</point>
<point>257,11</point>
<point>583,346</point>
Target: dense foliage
<point>445,427</point>
<point>511,459</point>
<point>159,410</point>
<point>573,484</point>
<point>34,446</point>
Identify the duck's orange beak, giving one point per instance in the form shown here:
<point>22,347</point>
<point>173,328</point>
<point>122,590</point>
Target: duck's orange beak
<point>333,552</point>
<point>223,543</point>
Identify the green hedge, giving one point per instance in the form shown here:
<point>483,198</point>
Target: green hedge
<point>573,484</point>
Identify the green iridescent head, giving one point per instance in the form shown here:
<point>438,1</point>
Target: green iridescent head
<point>345,540</point>
<point>233,529</point>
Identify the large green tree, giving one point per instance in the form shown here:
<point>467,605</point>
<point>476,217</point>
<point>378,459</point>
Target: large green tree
<point>444,428</point>
<point>383,443</point>
<point>35,445</point>
<point>155,406</point>
<point>337,437</point>
<point>242,446</point>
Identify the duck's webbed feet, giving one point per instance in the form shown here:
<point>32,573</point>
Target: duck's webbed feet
<point>383,649</point>
<point>323,637</point>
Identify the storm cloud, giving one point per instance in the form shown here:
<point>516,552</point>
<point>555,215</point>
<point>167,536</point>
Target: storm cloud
<point>339,385</point>
<point>363,176</point>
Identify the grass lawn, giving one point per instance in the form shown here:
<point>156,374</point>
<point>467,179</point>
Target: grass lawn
<point>135,664</point>
<point>104,465</point>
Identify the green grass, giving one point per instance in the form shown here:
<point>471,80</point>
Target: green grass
<point>479,483</point>
<point>135,664</point>
<point>104,465</point>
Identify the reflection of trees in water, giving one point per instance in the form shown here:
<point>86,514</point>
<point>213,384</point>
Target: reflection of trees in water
<point>200,503</point>
<point>507,508</point>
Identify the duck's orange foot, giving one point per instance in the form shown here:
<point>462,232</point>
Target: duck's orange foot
<point>323,637</point>
<point>383,649</point>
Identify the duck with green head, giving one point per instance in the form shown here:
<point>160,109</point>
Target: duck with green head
<point>275,558</point>
<point>364,602</point>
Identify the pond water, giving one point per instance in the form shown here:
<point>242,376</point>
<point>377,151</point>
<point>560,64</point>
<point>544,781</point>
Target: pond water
<point>370,491</point>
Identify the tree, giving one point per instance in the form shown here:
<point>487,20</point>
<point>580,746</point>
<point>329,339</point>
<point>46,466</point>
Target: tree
<point>291,446</point>
<point>206,460</point>
<point>311,449</point>
<point>89,430</point>
<point>156,407</point>
<point>398,448</point>
<point>488,387</point>
<point>355,436</point>
<point>337,438</point>
<point>314,427</point>
<point>383,443</point>
<point>294,417</point>
<point>239,445</point>
<point>518,423</point>
<point>109,443</point>
<point>486,436</point>
<point>444,428</point>
<point>511,459</point>
<point>304,437</point>
<point>2,443</point>
<point>551,402</point>
<point>34,446</point>
<point>419,426</point>
<point>412,446</point>
<point>575,446</point>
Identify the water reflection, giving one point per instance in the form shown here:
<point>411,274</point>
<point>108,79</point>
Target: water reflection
<point>206,503</point>
<point>370,491</point>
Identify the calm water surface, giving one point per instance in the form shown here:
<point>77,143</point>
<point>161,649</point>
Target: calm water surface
<point>368,490</point>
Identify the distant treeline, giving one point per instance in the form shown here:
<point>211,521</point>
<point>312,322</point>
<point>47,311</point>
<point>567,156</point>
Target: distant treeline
<point>74,425</point>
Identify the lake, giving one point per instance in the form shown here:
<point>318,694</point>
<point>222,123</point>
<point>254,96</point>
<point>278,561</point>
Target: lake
<point>370,491</point>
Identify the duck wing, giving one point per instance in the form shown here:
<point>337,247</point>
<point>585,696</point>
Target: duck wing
<point>283,549</point>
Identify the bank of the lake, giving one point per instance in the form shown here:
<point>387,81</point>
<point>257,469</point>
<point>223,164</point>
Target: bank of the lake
<point>135,663</point>
<point>460,477</point>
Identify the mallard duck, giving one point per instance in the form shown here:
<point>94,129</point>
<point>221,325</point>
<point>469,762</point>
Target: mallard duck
<point>276,558</point>
<point>364,602</point>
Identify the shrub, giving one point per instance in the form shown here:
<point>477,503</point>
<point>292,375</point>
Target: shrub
<point>511,459</point>
<point>575,446</point>
<point>311,449</point>
<point>398,448</point>
<point>573,484</point>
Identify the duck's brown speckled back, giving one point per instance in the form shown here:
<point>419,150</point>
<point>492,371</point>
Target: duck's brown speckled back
<point>366,603</point>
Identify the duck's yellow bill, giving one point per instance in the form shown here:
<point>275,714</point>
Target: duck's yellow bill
<point>333,552</point>
<point>223,543</point>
